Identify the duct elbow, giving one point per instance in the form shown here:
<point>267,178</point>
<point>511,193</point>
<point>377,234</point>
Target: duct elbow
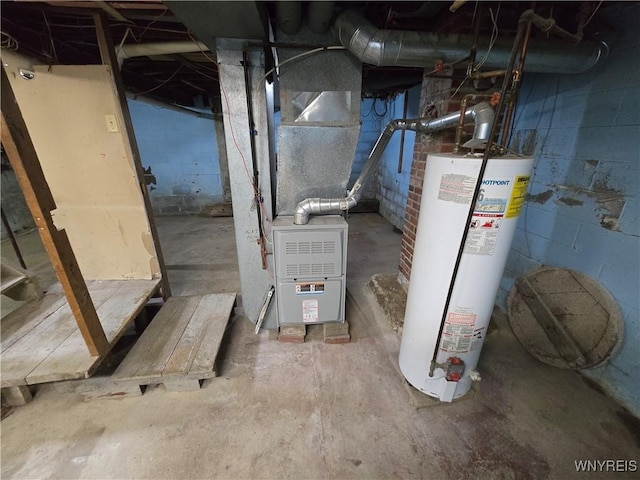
<point>303,210</point>
<point>483,117</point>
<point>319,206</point>
<point>362,38</point>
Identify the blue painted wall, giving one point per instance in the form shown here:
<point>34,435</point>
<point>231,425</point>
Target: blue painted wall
<point>583,210</point>
<point>182,153</point>
<point>392,187</point>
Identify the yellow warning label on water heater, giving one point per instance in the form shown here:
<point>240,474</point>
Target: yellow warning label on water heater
<point>518,195</point>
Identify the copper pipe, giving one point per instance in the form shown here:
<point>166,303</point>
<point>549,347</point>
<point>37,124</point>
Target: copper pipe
<point>463,110</point>
<point>515,89</point>
<point>402,134</point>
<point>492,73</point>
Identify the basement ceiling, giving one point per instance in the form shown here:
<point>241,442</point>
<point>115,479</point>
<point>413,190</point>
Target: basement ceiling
<point>63,32</point>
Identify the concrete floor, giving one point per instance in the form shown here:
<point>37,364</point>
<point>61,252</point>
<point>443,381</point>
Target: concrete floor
<point>320,411</point>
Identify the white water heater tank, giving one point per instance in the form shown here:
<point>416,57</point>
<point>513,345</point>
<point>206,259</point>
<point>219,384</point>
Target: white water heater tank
<point>446,197</point>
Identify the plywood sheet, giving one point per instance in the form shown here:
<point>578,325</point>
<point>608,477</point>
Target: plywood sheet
<point>74,119</point>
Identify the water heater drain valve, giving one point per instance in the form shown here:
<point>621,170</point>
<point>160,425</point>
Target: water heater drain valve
<point>453,368</point>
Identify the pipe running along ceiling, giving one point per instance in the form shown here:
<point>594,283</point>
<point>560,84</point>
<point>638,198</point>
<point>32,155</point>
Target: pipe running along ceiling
<point>402,48</point>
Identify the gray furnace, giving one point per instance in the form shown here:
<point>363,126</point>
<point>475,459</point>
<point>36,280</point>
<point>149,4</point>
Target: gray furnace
<point>310,269</point>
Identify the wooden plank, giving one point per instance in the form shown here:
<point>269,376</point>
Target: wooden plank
<point>157,341</point>
<point>19,322</point>
<point>69,359</point>
<point>122,308</point>
<point>26,166</point>
<point>552,327</point>
<point>118,302</point>
<point>173,335</point>
<point>140,352</point>
<point>208,350</point>
<point>210,310</point>
<point>109,57</point>
<point>25,355</point>
<point>181,385</point>
<point>10,281</point>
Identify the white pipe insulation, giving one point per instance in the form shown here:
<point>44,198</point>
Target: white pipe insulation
<point>131,50</point>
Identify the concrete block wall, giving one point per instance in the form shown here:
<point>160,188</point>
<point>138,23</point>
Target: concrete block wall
<point>393,187</point>
<point>584,200</point>
<point>390,187</point>
<point>373,114</point>
<point>182,153</point>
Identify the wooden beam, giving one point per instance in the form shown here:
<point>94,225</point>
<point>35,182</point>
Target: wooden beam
<point>113,12</point>
<point>108,54</point>
<point>104,6</point>
<point>140,5</point>
<point>26,166</point>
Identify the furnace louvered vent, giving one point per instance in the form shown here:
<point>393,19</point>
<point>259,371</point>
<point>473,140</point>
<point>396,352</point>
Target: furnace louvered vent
<point>305,254</point>
<point>306,248</point>
<point>310,269</point>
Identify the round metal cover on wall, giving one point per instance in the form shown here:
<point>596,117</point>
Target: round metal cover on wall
<point>564,318</point>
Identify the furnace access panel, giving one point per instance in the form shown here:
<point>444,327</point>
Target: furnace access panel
<point>311,264</point>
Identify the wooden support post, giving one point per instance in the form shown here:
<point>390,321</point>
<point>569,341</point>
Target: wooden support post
<point>108,54</point>
<point>26,166</point>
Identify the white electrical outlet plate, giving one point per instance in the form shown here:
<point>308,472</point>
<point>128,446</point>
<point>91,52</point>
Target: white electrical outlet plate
<point>112,124</point>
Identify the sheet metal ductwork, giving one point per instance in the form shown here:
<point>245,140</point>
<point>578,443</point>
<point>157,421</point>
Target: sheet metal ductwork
<point>482,115</point>
<point>320,16</point>
<point>289,15</point>
<point>381,47</point>
<point>319,127</point>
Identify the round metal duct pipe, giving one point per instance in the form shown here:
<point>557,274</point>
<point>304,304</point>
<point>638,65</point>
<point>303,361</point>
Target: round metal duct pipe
<point>289,16</point>
<point>320,15</point>
<point>381,47</point>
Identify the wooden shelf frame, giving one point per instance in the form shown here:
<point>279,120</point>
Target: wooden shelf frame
<point>26,164</point>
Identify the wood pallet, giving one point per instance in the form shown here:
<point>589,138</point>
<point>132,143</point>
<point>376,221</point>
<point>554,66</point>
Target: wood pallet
<point>180,346</point>
<point>41,341</point>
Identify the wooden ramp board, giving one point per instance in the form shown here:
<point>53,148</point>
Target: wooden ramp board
<point>180,346</point>
<point>41,342</point>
